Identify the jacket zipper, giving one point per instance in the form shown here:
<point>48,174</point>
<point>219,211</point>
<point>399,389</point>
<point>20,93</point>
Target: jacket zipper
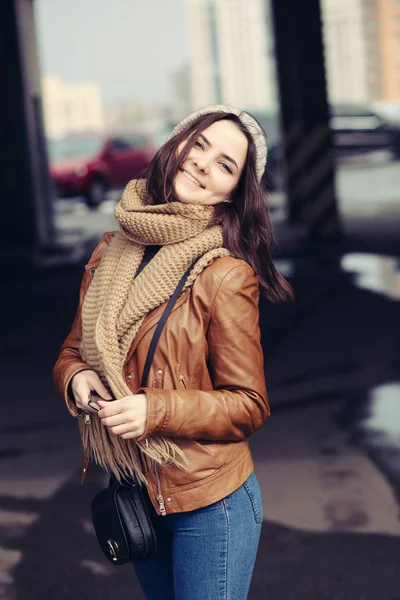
<point>159,496</point>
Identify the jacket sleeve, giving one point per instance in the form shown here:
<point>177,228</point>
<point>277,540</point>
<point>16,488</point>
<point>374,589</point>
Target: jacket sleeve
<point>238,404</point>
<point>69,361</point>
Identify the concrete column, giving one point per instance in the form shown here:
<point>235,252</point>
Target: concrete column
<point>25,189</point>
<point>306,137</point>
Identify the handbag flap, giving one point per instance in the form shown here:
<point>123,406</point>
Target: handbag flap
<point>134,514</point>
<point>108,527</point>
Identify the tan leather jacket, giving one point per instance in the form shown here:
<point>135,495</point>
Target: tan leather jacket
<point>207,381</point>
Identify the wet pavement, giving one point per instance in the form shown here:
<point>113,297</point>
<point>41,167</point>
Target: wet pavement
<point>328,460</point>
<point>374,422</point>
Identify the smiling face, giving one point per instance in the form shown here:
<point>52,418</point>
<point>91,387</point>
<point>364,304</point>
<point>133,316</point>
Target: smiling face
<point>213,166</point>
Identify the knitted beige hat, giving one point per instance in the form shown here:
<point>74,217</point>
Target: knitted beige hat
<point>253,127</point>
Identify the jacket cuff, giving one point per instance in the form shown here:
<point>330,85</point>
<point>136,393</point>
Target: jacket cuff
<point>158,414</point>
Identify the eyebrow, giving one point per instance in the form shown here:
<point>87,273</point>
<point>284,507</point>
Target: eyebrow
<point>229,158</point>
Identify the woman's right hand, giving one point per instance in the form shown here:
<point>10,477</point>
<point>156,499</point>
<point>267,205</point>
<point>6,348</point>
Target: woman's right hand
<point>87,385</point>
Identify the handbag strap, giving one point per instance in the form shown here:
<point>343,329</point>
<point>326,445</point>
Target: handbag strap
<point>160,325</point>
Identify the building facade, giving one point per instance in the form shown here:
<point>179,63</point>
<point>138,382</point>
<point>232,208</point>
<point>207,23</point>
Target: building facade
<point>181,93</point>
<point>388,58</point>
<point>134,115</point>
<point>231,53</point>
<point>345,51</point>
<point>362,50</point>
<point>71,107</point>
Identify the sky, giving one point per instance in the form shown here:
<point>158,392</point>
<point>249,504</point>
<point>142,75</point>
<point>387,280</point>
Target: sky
<point>128,46</point>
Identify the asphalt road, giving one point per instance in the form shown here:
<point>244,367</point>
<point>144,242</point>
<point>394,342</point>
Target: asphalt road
<point>328,460</point>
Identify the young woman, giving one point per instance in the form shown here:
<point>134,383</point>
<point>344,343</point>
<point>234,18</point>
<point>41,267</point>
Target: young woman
<point>185,434</point>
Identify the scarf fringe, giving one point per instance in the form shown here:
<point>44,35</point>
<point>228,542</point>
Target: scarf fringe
<point>125,459</point>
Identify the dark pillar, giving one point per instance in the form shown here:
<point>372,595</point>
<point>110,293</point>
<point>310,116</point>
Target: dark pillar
<point>306,136</point>
<point>25,190</point>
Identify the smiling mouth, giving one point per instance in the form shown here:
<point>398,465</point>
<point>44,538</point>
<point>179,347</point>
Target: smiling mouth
<point>192,179</point>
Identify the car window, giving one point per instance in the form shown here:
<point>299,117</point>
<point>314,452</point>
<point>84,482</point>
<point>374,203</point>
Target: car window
<point>136,140</point>
<point>75,147</point>
<point>128,141</point>
<point>351,110</point>
<point>120,144</point>
<point>355,122</point>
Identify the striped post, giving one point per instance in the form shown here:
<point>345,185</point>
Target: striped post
<point>306,136</point>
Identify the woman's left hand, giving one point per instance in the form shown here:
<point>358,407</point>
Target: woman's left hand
<point>126,417</point>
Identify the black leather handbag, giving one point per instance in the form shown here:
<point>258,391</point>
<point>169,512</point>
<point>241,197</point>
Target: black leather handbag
<point>122,523</point>
<point>120,512</point>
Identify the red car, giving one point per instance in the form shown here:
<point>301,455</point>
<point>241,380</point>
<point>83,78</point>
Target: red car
<point>90,165</point>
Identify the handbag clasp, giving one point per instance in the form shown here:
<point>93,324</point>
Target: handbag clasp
<point>113,549</point>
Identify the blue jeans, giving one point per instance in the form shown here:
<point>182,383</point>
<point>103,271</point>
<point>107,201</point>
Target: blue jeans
<point>208,553</point>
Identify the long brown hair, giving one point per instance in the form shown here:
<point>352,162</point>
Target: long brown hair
<point>246,223</point>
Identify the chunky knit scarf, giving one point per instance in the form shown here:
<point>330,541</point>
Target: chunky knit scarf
<point>117,302</point>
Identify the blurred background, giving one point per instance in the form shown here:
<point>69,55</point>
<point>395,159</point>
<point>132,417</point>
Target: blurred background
<point>90,90</point>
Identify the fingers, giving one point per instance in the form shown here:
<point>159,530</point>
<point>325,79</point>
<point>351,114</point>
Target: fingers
<point>130,435</point>
<point>124,417</point>
<point>108,409</point>
<point>114,420</point>
<point>123,429</point>
<point>82,403</point>
<point>126,430</point>
<point>100,388</point>
<point>83,384</point>
<point>82,395</point>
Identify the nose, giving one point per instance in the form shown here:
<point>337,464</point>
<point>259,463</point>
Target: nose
<point>201,163</point>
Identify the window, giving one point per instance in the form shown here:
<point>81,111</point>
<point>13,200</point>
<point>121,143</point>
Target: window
<point>73,147</point>
<point>120,144</point>
<point>136,139</point>
<point>128,141</point>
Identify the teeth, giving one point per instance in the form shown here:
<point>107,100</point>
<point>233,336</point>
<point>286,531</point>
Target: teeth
<point>191,178</point>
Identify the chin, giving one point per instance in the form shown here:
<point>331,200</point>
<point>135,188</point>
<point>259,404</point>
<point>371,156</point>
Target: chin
<point>181,197</point>
<point>185,196</point>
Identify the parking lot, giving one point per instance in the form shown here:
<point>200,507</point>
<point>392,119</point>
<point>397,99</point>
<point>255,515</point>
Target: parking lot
<point>367,187</point>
